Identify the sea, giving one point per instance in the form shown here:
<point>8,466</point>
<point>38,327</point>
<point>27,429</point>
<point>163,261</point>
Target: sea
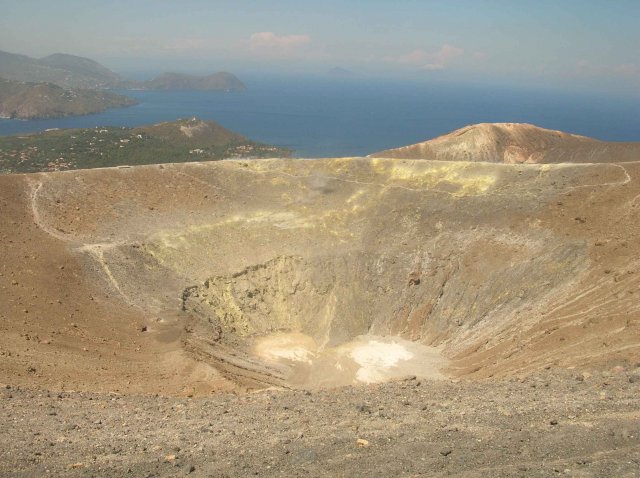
<point>328,117</point>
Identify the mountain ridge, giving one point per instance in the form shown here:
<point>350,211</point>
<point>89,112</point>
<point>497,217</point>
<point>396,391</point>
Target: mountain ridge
<point>71,71</point>
<point>66,71</point>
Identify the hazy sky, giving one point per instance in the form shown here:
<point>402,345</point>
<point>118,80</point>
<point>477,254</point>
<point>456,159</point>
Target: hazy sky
<point>575,43</point>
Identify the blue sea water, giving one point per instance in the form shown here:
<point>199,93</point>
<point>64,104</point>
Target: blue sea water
<point>321,117</point>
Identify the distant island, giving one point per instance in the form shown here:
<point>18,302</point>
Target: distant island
<point>176,81</point>
<point>70,71</point>
<point>171,142</point>
<point>66,71</point>
<point>65,85</point>
<point>45,100</point>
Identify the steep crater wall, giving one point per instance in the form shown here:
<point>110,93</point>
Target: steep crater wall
<point>447,295</point>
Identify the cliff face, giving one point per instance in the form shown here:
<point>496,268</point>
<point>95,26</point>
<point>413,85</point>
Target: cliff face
<point>44,100</point>
<point>515,143</point>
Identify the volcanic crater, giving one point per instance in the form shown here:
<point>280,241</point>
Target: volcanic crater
<point>244,275</point>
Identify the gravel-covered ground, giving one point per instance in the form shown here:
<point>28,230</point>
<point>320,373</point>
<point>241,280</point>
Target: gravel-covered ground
<point>557,423</point>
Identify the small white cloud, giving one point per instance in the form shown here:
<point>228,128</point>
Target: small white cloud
<point>447,53</point>
<point>626,69</point>
<point>429,61</point>
<point>414,57</point>
<point>270,44</point>
<point>583,67</point>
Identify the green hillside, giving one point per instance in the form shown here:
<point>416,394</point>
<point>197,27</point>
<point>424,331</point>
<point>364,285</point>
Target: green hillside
<point>179,141</point>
